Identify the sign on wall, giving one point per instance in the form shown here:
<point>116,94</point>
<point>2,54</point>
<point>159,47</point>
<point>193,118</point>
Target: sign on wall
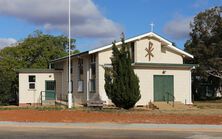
<point>149,51</point>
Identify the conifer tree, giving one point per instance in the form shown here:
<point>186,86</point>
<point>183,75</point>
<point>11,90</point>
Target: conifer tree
<point>121,83</point>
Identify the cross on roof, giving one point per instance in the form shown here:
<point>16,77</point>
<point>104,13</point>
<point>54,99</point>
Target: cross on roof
<point>152,26</point>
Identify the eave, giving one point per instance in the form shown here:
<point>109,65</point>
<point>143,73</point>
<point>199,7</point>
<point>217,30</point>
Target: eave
<point>37,71</point>
<point>164,65</point>
<point>159,65</point>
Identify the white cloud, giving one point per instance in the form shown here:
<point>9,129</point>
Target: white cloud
<point>87,21</point>
<point>179,27</point>
<point>6,42</point>
<point>200,3</point>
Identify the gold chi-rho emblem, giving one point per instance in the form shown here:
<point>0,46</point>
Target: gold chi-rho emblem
<point>149,51</point>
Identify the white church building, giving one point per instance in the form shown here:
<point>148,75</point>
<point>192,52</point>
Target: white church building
<point>158,64</point>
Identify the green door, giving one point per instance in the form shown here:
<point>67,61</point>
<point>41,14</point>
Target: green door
<point>163,87</point>
<point>50,90</point>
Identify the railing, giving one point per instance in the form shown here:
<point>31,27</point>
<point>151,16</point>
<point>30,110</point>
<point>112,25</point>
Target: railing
<point>168,96</point>
<point>62,100</point>
<point>43,97</point>
<point>63,97</point>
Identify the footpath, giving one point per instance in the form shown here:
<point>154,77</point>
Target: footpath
<point>116,126</point>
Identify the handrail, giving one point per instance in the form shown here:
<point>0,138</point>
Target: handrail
<point>168,97</point>
<point>41,93</point>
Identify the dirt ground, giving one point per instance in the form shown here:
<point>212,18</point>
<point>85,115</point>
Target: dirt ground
<point>204,113</point>
<point>30,115</point>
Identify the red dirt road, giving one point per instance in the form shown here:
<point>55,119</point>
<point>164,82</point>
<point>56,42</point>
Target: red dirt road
<point>93,116</point>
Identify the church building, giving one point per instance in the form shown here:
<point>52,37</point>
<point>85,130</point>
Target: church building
<point>156,61</point>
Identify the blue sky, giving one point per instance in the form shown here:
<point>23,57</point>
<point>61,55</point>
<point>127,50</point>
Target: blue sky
<point>99,22</point>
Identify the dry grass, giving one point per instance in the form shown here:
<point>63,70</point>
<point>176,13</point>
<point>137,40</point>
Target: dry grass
<point>200,108</point>
<point>212,104</point>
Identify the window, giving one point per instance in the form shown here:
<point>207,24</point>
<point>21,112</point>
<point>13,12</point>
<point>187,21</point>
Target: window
<point>80,69</point>
<point>71,86</point>
<point>132,53</point>
<point>71,68</point>
<point>50,85</point>
<point>93,70</point>
<point>93,66</point>
<point>80,76</point>
<point>80,86</point>
<point>163,49</point>
<point>93,73</point>
<point>32,81</point>
<point>92,86</point>
<point>93,58</point>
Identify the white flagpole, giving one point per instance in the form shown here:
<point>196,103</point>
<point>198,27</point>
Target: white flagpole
<point>69,78</point>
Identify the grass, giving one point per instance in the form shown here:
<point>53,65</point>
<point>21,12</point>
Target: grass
<point>212,107</point>
<point>212,104</point>
<point>48,108</point>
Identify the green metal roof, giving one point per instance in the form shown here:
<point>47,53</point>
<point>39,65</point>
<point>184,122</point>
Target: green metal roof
<point>37,71</point>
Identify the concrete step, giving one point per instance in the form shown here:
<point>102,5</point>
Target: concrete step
<point>171,106</point>
<point>61,102</point>
<point>48,102</point>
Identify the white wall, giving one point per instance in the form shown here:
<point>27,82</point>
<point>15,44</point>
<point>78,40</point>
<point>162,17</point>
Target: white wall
<point>27,95</point>
<point>161,54</point>
<point>182,77</point>
<point>103,58</point>
<point>182,84</point>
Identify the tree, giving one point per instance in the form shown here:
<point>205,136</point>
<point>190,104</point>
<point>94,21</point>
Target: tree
<point>206,46</point>
<point>35,51</point>
<point>121,83</point>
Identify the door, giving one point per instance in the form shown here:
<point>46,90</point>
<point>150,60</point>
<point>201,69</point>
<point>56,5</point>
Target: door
<point>50,90</point>
<point>163,87</point>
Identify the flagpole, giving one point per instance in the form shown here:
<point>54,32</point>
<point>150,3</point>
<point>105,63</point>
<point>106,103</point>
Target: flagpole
<point>69,64</point>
